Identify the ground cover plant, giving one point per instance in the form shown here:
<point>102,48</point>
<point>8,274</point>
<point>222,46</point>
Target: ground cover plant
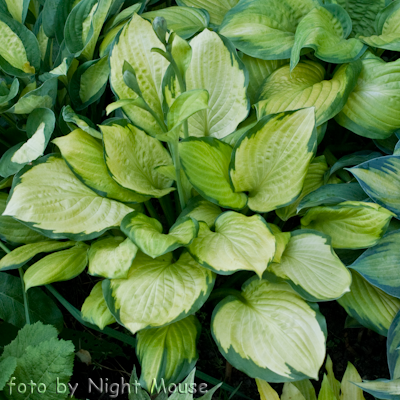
<point>239,157</point>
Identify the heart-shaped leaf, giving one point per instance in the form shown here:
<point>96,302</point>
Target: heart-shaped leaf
<point>296,345</point>
<point>48,197</point>
<point>132,158</point>
<point>85,156</point>
<point>147,234</point>
<point>216,68</point>
<point>238,243</point>
<point>265,28</point>
<point>270,161</point>
<point>286,90</point>
<point>158,291</point>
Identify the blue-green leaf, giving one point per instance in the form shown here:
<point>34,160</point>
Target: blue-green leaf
<point>325,29</point>
<point>89,82</point>
<point>168,354</point>
<point>19,48</point>
<point>333,194</point>
<point>370,306</point>
<point>387,29</point>
<point>393,348</point>
<point>380,265</point>
<point>380,179</point>
<point>265,28</point>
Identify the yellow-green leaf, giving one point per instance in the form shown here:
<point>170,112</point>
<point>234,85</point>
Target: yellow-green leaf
<point>21,255</point>
<point>326,392</point>
<point>209,174</point>
<point>290,392</point>
<point>134,46</point>
<point>132,158</point>
<point>238,243</point>
<point>158,291</point>
<point>305,86</point>
<point>185,105</point>
<point>265,28</point>
<point>259,70</point>
<point>84,155</point>
<point>147,234</point>
<point>310,265</point>
<point>333,382</point>
<point>266,391</point>
<point>12,231</point>
<point>185,21</point>
<point>314,180</point>
<point>216,68</point>
<point>271,160</point>
<point>295,348</point>
<point>18,9</point>
<point>373,108</point>
<point>216,8</point>
<point>19,48</point>
<point>50,198</point>
<point>349,391</point>
<point>168,353</point>
<point>351,225</point>
<point>61,266</point>
<point>111,257</point>
<point>95,310</point>
<point>201,210</point>
<point>380,179</point>
<point>282,239</point>
<point>387,35</point>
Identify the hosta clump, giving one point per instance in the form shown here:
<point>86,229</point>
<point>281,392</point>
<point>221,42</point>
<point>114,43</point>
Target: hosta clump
<point>209,163</point>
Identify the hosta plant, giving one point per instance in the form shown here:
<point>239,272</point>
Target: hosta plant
<point>239,153</point>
